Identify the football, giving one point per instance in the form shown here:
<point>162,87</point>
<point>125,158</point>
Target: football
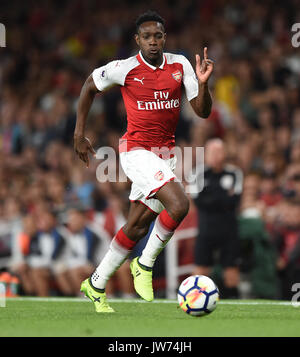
<point>198,295</point>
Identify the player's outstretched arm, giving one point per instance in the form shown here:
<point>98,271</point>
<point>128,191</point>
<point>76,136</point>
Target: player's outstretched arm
<point>82,145</point>
<point>203,102</point>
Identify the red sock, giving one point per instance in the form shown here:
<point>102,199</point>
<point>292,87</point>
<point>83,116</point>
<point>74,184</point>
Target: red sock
<point>124,241</point>
<point>167,222</point>
<point>162,231</point>
<point>119,249</point>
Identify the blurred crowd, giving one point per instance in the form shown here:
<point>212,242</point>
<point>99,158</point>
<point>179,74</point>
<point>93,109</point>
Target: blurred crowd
<point>49,200</point>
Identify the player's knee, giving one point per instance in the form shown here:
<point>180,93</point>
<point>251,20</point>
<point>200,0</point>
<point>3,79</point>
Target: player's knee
<point>179,209</point>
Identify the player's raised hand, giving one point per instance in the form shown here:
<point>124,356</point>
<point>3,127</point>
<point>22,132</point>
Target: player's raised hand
<point>204,68</point>
<point>83,147</point>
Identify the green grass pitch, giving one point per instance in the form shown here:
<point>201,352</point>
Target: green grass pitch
<point>161,318</point>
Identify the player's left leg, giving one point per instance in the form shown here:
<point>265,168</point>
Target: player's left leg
<point>173,198</point>
<point>176,204</point>
<point>155,186</point>
<point>124,280</point>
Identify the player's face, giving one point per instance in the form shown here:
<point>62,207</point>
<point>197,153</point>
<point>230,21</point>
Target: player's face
<point>151,40</point>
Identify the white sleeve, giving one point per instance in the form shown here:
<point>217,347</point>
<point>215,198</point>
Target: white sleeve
<point>190,80</point>
<point>109,75</point>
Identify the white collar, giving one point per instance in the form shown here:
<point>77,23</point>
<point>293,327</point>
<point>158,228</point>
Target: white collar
<point>150,65</point>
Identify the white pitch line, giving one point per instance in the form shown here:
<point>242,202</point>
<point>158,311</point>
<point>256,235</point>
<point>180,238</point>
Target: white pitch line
<point>157,301</point>
<point>285,303</point>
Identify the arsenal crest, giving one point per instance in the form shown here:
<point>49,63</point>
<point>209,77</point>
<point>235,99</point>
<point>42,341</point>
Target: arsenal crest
<point>177,75</point>
<point>159,176</point>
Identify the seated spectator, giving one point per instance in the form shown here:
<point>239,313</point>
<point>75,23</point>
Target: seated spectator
<point>21,248</point>
<point>86,245</point>
<point>10,225</point>
<point>291,182</point>
<point>46,257</point>
<point>81,186</point>
<point>270,196</point>
<point>57,194</point>
<point>269,190</point>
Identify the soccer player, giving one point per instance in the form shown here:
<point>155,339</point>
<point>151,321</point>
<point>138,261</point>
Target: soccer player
<point>151,84</point>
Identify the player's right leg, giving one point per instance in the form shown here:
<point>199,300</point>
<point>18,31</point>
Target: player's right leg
<point>139,220</point>
<point>176,206</point>
<point>154,184</point>
<point>97,296</point>
<point>137,226</point>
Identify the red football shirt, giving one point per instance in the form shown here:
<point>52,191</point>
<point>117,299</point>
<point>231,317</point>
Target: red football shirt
<point>151,95</point>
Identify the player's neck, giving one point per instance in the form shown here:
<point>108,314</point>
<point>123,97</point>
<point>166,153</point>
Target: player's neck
<point>156,63</point>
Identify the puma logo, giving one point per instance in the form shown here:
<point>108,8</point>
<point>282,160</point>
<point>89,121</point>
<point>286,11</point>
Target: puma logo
<point>139,80</point>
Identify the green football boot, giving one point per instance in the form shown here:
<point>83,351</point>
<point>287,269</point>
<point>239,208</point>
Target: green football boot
<point>98,298</point>
<point>142,279</point>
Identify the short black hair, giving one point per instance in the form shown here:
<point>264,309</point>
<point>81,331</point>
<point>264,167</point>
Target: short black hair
<point>149,15</point>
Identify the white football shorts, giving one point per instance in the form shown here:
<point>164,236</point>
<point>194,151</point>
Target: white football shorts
<point>148,174</point>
